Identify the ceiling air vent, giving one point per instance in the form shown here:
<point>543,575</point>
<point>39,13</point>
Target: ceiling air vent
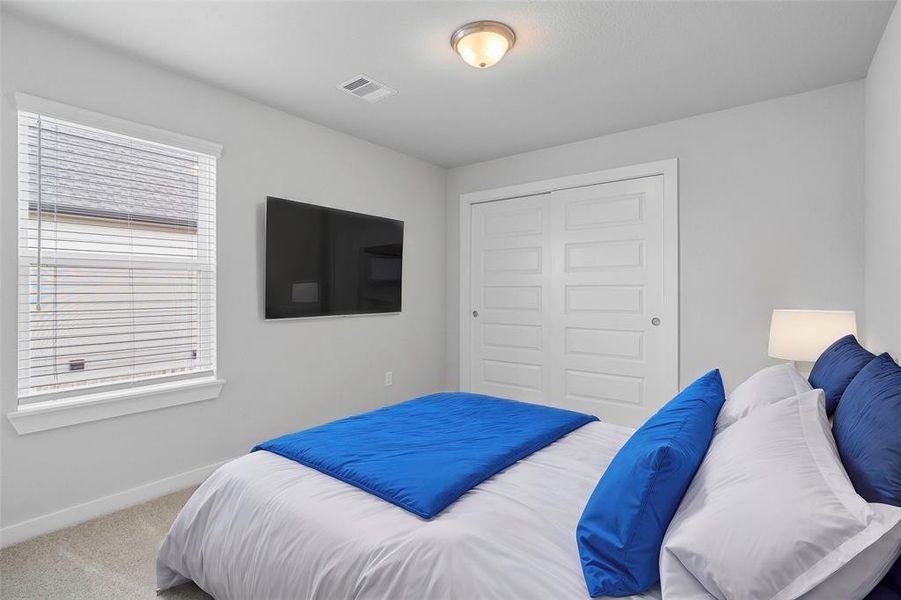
<point>366,88</point>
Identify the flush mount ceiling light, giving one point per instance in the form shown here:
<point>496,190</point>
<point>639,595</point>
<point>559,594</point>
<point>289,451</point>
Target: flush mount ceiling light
<point>483,44</point>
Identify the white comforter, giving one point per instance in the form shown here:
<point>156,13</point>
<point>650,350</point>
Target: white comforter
<point>266,528</point>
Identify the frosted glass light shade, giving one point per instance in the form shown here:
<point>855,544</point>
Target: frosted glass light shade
<point>484,43</point>
<point>802,335</point>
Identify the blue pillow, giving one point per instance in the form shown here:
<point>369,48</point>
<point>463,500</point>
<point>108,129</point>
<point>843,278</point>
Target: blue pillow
<point>836,367</point>
<point>867,430</point>
<point>622,526</point>
<point>885,591</point>
<point>892,581</point>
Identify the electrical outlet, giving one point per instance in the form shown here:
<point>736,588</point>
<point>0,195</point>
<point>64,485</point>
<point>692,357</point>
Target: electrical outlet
<point>389,378</point>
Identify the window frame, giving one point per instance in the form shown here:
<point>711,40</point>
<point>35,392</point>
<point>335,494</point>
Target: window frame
<point>37,412</point>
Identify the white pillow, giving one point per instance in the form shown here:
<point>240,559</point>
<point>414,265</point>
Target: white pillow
<point>760,389</point>
<point>861,574</point>
<point>771,514</point>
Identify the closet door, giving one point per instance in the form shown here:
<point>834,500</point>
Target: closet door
<point>607,350</point>
<point>510,299</point>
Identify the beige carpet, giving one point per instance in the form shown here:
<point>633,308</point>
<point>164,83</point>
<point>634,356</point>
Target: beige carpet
<point>111,557</point>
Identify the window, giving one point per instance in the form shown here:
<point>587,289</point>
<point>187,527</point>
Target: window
<point>117,260</point>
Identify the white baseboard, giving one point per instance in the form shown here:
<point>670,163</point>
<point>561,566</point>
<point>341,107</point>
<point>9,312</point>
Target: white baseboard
<point>67,517</point>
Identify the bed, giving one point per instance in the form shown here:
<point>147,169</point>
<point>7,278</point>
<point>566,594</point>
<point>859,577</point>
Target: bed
<point>264,526</point>
<point>457,495</point>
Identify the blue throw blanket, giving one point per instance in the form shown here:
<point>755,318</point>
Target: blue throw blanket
<point>425,453</point>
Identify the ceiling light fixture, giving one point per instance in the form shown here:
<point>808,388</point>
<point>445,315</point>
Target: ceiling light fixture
<point>483,44</point>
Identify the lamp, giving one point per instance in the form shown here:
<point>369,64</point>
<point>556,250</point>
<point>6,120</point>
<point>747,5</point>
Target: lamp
<point>483,44</point>
<point>802,335</point>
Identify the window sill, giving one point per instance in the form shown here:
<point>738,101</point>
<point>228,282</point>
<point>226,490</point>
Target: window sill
<point>41,416</point>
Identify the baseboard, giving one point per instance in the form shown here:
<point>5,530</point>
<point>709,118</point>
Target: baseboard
<point>67,517</point>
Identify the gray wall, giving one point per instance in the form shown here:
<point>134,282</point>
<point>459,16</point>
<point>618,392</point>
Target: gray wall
<point>771,215</point>
<point>882,322</point>
<point>281,376</point>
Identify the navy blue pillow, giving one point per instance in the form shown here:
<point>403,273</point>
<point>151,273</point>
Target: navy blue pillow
<point>892,581</point>
<point>867,430</point>
<point>836,367</point>
<point>622,526</point>
<point>885,591</point>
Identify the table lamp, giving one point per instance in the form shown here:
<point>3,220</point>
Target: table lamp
<point>802,335</point>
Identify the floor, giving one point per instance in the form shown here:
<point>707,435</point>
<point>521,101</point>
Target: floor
<point>111,557</point>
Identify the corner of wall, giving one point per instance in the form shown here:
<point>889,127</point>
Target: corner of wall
<point>882,194</point>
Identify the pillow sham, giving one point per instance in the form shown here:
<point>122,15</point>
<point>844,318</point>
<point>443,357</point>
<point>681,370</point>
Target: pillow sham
<point>836,367</point>
<point>785,515</point>
<point>852,581</point>
<point>862,573</point>
<point>622,526</point>
<point>760,389</point>
<point>867,431</point>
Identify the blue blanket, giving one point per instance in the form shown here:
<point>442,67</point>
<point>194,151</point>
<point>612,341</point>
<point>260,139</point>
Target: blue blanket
<point>425,453</point>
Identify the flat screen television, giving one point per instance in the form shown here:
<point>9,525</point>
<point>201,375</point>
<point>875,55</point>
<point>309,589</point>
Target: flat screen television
<point>323,261</point>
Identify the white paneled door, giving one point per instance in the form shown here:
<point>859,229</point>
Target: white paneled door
<point>511,295</point>
<point>567,300</point>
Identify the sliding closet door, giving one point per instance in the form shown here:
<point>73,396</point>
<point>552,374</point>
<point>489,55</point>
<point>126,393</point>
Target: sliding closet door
<point>567,303</point>
<point>609,356</point>
<point>510,286</point>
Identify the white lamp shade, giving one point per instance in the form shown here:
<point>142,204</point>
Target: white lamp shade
<point>802,335</point>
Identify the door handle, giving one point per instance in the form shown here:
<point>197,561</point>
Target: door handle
<point>655,322</point>
<point>475,314</point>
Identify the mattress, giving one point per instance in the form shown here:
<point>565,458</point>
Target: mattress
<point>263,526</point>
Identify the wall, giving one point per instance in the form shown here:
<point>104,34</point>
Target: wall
<point>770,216</point>
<point>281,375</point>
<point>882,323</point>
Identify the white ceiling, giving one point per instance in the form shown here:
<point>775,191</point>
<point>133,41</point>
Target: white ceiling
<point>578,70</point>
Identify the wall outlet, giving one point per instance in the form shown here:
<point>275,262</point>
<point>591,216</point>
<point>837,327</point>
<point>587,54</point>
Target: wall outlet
<point>389,378</point>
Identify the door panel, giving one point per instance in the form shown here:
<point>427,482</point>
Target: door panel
<point>510,279</point>
<point>608,282</point>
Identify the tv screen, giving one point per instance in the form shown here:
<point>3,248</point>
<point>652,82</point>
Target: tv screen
<point>323,261</point>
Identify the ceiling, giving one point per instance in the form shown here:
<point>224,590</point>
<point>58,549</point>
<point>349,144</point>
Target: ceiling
<point>578,70</point>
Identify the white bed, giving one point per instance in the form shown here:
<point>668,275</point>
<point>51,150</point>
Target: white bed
<point>263,526</point>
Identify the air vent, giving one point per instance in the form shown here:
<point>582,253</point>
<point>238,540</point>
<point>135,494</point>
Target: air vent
<point>366,88</point>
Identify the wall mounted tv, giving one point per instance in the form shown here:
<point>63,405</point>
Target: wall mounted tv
<point>323,261</point>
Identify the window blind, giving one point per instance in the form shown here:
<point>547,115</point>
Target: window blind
<point>117,273</point>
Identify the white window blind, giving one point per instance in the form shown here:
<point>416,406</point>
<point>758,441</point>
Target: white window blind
<point>117,273</point>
